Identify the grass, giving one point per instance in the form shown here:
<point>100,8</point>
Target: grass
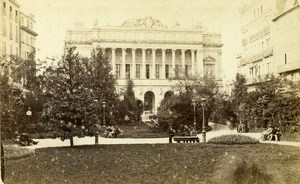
<point>159,163</point>
<point>140,130</point>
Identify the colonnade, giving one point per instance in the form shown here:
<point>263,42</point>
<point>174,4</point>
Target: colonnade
<point>196,64</point>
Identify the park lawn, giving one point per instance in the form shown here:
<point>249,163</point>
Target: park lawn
<point>141,130</point>
<point>157,163</point>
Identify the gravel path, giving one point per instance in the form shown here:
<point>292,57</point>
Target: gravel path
<point>216,131</point>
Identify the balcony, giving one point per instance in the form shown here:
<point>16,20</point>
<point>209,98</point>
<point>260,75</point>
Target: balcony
<point>289,67</point>
<point>262,54</point>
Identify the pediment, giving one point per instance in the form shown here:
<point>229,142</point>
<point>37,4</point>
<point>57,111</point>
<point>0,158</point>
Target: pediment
<point>209,59</point>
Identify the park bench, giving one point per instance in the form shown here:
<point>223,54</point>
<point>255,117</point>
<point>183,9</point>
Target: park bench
<point>185,139</point>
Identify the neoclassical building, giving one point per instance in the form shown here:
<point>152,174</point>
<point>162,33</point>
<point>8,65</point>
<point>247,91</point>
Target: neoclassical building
<point>150,53</point>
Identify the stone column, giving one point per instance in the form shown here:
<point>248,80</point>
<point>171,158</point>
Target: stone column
<point>133,63</point>
<point>113,60</point>
<point>173,63</point>
<point>163,63</point>
<point>143,63</point>
<point>200,65</point>
<point>153,64</point>
<point>219,66</point>
<point>193,61</point>
<point>183,61</point>
<point>123,73</point>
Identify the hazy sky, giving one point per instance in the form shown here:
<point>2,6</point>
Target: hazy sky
<point>54,17</point>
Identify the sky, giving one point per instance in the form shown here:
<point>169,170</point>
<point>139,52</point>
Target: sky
<point>54,17</point>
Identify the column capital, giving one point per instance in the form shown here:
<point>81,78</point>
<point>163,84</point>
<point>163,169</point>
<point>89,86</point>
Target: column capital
<point>163,49</point>
<point>113,48</point>
<point>133,49</point>
<point>153,49</point>
<point>123,49</point>
<point>173,50</point>
<point>199,50</point>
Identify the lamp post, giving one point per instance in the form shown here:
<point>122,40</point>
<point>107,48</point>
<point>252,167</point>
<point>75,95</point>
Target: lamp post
<point>203,103</point>
<point>194,104</point>
<point>96,131</point>
<point>103,105</point>
<point>28,114</point>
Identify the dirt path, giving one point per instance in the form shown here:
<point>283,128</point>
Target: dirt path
<point>217,130</point>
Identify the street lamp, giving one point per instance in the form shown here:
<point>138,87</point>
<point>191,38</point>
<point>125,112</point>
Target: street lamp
<point>194,104</point>
<point>103,105</point>
<point>28,114</point>
<point>203,103</point>
<point>96,131</point>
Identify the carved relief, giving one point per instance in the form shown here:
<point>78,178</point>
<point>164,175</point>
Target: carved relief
<point>147,22</point>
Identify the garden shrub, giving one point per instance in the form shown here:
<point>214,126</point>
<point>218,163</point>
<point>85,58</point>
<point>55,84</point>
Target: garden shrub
<point>233,139</point>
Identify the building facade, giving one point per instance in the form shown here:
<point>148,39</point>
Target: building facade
<point>150,53</point>
<point>287,40</point>
<point>10,28</point>
<point>257,39</point>
<point>17,35</point>
<point>270,39</point>
<point>27,35</point>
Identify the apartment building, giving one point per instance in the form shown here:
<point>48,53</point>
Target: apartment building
<point>270,39</point>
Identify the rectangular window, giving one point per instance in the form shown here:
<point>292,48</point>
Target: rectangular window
<point>16,17</point>
<point>167,71</point>
<point>11,49</point>
<point>10,31</point>
<point>4,8</point>
<point>17,34</point>
<point>176,70</point>
<point>118,70</point>
<point>285,59</point>
<point>127,70</point>
<point>186,71</point>
<point>10,12</point>
<point>157,71</point>
<point>4,48</point>
<point>147,71</point>
<point>138,71</point>
<point>4,27</point>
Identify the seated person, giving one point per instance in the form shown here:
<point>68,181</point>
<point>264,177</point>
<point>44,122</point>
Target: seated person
<point>25,140</point>
<point>268,134</point>
<point>277,134</point>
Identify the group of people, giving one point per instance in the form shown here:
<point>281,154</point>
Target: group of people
<point>112,132</point>
<point>25,140</point>
<point>272,133</point>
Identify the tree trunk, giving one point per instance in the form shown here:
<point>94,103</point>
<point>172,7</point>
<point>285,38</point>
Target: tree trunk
<point>71,141</point>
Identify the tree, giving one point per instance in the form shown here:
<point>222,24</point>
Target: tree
<point>15,97</point>
<point>239,93</point>
<point>275,101</point>
<point>178,110</point>
<point>72,90</point>
<point>102,85</point>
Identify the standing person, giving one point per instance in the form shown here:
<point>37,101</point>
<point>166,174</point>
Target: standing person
<point>171,132</point>
<point>2,164</point>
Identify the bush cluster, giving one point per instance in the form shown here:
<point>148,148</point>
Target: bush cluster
<point>233,139</point>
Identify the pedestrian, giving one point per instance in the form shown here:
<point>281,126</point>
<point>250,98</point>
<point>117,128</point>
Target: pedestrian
<point>171,132</point>
<point>2,164</point>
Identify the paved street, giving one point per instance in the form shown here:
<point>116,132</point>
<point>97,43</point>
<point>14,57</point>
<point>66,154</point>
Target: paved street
<point>217,131</point>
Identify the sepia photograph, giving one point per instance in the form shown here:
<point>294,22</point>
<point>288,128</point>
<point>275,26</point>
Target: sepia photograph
<point>150,91</point>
